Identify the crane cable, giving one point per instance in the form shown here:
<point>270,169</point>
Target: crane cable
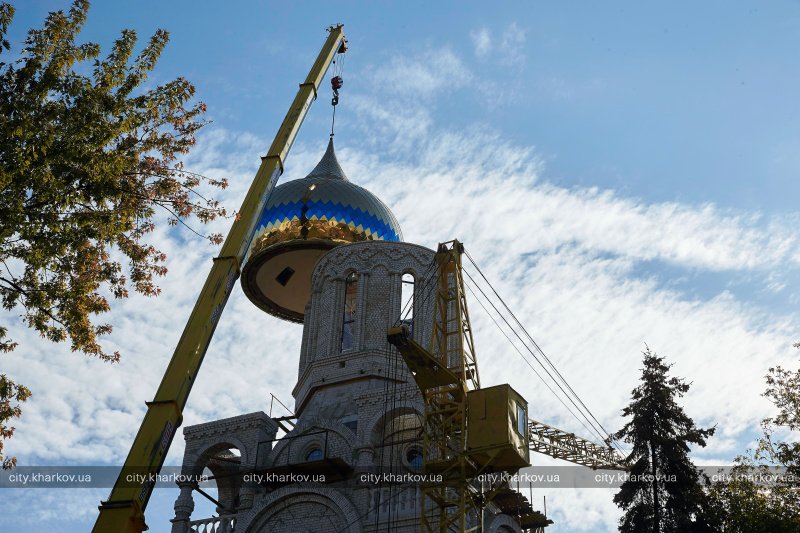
<point>427,292</point>
<point>392,374</point>
<point>591,428</point>
<point>604,435</point>
<point>607,436</point>
<point>527,361</point>
<point>336,83</point>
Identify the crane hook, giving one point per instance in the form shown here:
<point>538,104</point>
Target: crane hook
<point>336,84</point>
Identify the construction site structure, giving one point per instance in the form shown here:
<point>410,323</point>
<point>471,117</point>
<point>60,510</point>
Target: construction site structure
<point>469,430</point>
<point>384,435</point>
<point>349,458</point>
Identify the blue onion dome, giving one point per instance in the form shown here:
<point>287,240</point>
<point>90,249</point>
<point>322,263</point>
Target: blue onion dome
<point>303,219</point>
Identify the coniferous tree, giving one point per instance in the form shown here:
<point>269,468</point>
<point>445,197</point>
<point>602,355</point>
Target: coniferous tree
<point>664,492</point>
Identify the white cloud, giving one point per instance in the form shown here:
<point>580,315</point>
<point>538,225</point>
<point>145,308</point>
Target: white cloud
<point>394,126</point>
<point>424,75</point>
<point>50,510</point>
<point>508,48</point>
<point>589,309</point>
<point>512,43</point>
<point>481,41</point>
<point>399,119</point>
<point>564,258</point>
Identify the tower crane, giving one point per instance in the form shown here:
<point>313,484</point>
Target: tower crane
<point>469,430</point>
<point>123,512</point>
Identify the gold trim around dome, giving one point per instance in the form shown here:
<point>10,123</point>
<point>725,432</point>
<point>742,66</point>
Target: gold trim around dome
<point>318,229</point>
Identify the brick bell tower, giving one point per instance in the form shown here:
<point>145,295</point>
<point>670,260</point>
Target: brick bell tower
<point>328,254</point>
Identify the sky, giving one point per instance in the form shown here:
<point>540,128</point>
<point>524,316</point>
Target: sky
<point>625,173</point>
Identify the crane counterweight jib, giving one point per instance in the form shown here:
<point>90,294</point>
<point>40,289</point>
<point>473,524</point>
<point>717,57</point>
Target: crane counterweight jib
<point>560,444</point>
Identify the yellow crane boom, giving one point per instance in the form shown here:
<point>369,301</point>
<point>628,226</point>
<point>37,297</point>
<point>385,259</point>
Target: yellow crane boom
<point>124,509</point>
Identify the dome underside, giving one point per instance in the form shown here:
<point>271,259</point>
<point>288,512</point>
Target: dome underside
<point>278,279</point>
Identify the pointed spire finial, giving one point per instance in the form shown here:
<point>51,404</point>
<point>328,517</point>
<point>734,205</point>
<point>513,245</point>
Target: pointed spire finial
<point>328,166</point>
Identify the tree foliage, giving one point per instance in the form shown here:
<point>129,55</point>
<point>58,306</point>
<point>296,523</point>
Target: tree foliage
<point>763,493</point>
<point>664,492</point>
<point>752,500</point>
<point>783,390</point>
<point>88,154</point>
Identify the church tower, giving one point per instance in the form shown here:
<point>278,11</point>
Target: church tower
<point>329,254</point>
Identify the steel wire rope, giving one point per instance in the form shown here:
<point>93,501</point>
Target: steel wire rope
<point>338,70</point>
<point>394,371</point>
<point>608,438</point>
<point>359,517</point>
<point>527,361</point>
<point>428,289</point>
<point>378,490</point>
<point>393,378</point>
<point>426,293</point>
<point>594,429</point>
<point>535,344</point>
<point>396,448</point>
<point>424,290</point>
<point>538,348</point>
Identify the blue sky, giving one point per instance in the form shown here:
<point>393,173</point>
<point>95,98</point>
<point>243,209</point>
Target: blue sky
<point>626,173</point>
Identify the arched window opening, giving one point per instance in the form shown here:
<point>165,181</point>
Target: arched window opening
<point>350,308</point>
<point>314,455</point>
<point>407,301</point>
<point>414,459</point>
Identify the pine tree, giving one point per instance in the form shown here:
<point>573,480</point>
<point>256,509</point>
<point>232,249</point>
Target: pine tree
<point>664,492</point>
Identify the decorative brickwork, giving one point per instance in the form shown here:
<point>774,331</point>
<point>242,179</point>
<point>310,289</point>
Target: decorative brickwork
<point>358,412</point>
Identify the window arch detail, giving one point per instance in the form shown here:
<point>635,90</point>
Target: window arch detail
<point>349,312</point>
<point>407,303</point>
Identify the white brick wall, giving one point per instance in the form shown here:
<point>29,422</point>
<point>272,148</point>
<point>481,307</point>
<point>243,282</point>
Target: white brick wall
<point>369,385</point>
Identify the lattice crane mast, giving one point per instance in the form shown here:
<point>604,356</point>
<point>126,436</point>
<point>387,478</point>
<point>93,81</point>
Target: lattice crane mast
<point>469,430</point>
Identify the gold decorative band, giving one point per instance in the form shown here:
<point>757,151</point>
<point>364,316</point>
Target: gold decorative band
<point>330,230</point>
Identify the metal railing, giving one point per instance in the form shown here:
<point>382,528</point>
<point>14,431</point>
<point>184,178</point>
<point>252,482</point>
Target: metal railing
<point>304,441</point>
